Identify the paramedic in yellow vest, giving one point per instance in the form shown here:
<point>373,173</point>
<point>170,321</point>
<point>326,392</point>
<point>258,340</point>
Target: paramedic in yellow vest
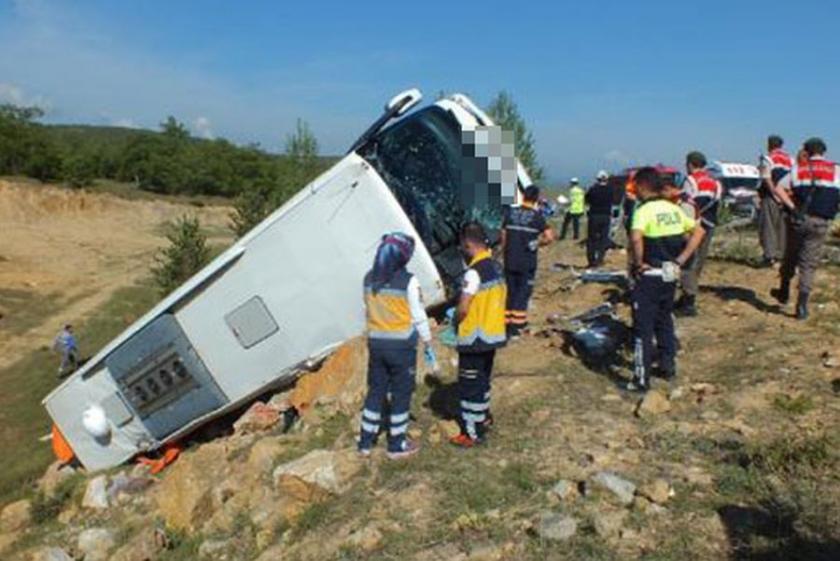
<point>577,206</point>
<point>664,237</point>
<point>396,318</point>
<point>481,330</point>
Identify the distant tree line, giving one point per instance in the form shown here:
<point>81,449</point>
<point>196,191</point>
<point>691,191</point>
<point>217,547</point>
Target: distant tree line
<point>170,161</point>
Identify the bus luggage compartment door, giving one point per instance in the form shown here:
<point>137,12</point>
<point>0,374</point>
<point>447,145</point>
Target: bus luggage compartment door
<point>163,379</point>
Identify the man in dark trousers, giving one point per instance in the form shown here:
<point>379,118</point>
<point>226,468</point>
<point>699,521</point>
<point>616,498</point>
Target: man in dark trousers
<point>663,238</point>
<point>811,192</point>
<point>481,330</point>
<point>524,229</point>
<point>599,203</point>
<point>705,192</point>
<point>396,319</point>
<point>771,222</point>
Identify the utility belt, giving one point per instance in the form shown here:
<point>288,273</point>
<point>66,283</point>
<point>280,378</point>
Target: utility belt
<point>668,272</point>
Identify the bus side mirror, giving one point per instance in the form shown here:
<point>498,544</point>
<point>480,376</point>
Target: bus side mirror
<point>403,101</point>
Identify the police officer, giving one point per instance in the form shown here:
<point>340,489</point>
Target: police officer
<point>814,186</point>
<point>524,229</point>
<point>599,204</point>
<point>705,191</point>
<point>576,208</point>
<point>771,222</point>
<point>658,237</point>
<point>481,330</point>
<point>395,318</point>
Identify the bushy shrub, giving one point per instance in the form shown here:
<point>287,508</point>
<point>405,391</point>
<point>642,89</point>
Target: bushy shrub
<point>185,255</point>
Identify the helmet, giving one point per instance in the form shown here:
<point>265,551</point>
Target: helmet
<point>602,175</point>
<point>575,181</point>
<point>95,422</point>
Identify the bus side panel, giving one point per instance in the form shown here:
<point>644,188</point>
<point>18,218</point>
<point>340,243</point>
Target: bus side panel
<point>307,270</point>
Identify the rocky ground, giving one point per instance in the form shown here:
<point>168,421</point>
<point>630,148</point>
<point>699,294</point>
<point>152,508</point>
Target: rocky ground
<point>737,460</point>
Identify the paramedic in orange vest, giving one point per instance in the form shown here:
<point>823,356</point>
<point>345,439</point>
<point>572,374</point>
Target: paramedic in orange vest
<point>396,318</point>
<point>705,191</point>
<point>811,192</point>
<point>771,221</point>
<point>481,330</point>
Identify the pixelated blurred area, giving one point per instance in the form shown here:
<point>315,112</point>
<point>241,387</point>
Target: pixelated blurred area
<point>489,167</point>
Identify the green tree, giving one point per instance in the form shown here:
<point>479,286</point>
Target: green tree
<point>174,129</point>
<point>24,147</point>
<point>505,113</point>
<point>79,170</point>
<point>185,255</point>
<point>302,146</point>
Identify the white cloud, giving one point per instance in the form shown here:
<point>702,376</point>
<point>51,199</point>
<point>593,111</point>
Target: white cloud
<point>11,93</point>
<point>203,128</point>
<point>125,122</point>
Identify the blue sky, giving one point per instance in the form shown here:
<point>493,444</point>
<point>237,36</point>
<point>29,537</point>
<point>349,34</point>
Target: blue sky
<point>602,84</point>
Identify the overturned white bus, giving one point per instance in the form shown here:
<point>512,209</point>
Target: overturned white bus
<point>288,293</point>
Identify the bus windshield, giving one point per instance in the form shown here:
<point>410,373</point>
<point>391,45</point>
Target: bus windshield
<point>420,159</point>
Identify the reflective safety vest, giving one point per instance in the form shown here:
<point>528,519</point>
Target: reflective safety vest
<point>706,192</point>
<point>484,327</point>
<point>663,226</point>
<point>780,164</point>
<point>576,196</point>
<point>823,178</point>
<point>389,313</point>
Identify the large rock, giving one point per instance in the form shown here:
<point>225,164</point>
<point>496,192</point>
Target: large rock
<point>123,484</point>
<point>657,491</point>
<point>95,543</point>
<point>96,493</point>
<point>622,489</point>
<point>7,540</point>
<point>556,527</point>
<point>145,545</point>
<point>565,490</point>
<point>317,475</point>
<point>608,524</point>
<point>185,495</point>
<point>654,403</point>
<point>367,539</point>
<point>258,418</point>
<point>264,452</point>
<point>16,516</point>
<point>55,475</point>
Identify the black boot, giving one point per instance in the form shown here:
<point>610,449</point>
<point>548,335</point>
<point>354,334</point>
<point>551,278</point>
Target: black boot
<point>688,309</point>
<point>781,294</point>
<point>802,306</point>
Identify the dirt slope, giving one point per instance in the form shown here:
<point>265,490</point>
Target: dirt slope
<point>64,252</point>
<point>738,461</point>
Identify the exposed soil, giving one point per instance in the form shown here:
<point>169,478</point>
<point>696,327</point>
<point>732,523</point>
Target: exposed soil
<point>64,252</point>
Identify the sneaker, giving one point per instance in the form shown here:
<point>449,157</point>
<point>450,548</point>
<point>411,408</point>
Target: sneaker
<point>636,386</point>
<point>464,441</point>
<point>409,449</point>
<point>364,452</point>
<point>766,263</point>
